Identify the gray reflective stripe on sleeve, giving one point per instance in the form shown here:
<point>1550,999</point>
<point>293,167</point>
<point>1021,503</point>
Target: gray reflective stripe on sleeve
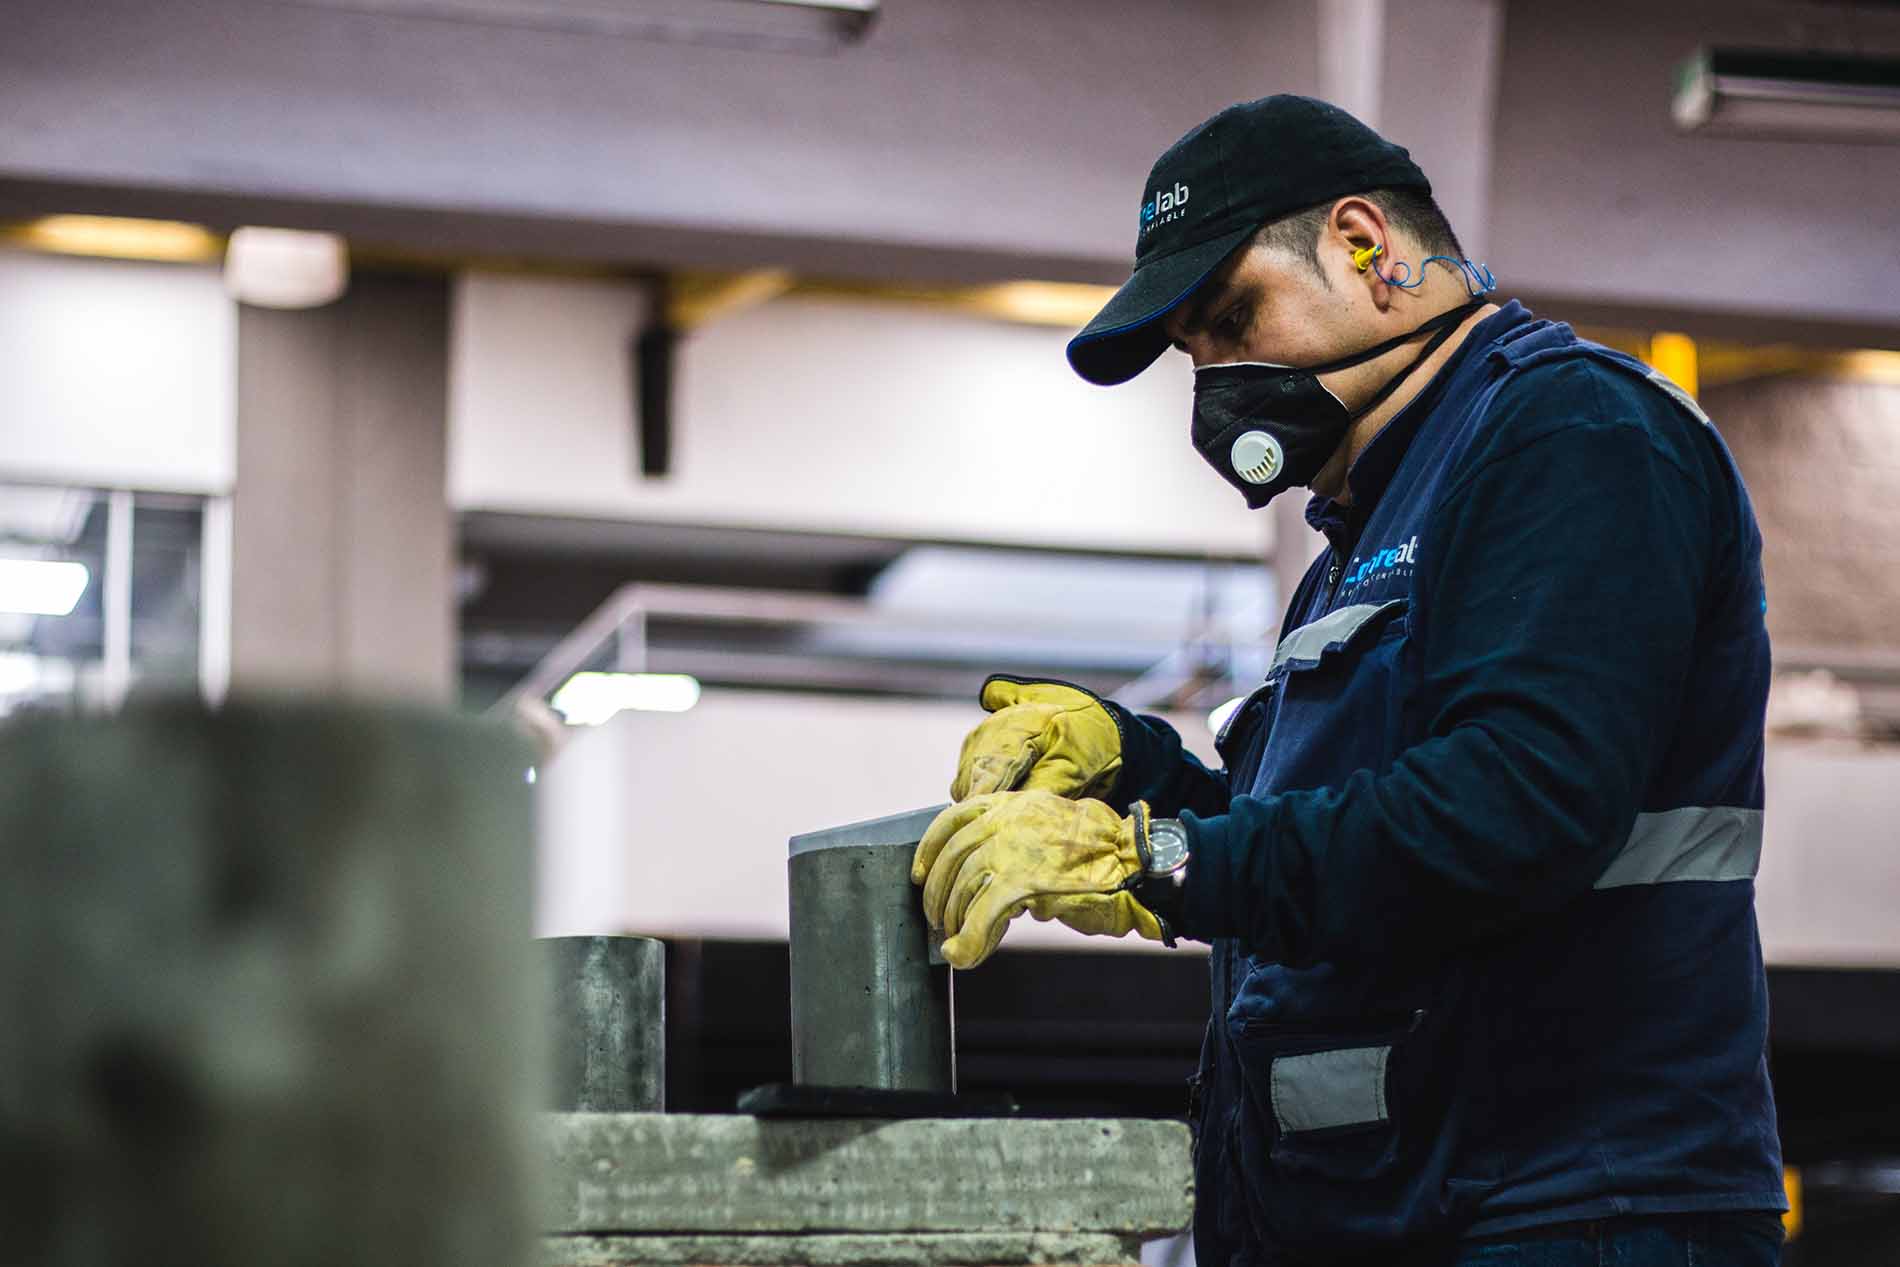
<point>1676,393</point>
<point>1702,842</point>
<point>1329,1088</point>
<point>1335,627</point>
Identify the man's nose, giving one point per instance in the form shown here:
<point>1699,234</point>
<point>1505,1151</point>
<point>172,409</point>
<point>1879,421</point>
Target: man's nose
<point>1199,349</point>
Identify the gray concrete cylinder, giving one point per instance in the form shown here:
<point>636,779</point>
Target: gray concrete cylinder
<point>870,1008</point>
<point>608,1031</point>
<point>263,995</point>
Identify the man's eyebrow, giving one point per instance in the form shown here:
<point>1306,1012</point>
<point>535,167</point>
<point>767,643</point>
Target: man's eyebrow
<point>1194,317</point>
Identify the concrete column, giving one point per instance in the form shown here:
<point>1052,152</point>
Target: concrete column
<point>342,549</point>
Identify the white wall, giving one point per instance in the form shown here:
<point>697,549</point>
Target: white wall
<point>677,823</point>
<point>1596,197</point>
<point>116,374</point>
<point>825,415</point>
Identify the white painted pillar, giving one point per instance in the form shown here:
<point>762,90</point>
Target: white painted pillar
<point>342,544</point>
<point>1439,100</point>
<point>1424,73</point>
<point>1350,49</point>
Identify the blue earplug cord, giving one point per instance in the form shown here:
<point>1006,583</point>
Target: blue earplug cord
<point>1478,278</point>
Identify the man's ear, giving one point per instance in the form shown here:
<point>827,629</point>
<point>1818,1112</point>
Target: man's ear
<point>1361,239</point>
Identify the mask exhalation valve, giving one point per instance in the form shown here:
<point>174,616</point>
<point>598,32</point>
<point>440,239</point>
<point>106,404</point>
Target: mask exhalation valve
<point>1256,457</point>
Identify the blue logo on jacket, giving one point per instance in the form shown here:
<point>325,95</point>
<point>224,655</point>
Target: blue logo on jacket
<point>1403,555</point>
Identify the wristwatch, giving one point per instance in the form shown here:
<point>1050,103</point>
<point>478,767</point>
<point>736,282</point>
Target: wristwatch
<point>1161,844</point>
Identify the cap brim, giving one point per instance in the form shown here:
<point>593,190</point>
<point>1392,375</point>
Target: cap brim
<point>1126,335</point>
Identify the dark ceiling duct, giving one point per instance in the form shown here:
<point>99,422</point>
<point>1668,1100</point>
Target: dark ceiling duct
<point>808,26</point>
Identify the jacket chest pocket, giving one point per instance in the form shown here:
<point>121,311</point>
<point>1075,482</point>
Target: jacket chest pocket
<point>1339,686</point>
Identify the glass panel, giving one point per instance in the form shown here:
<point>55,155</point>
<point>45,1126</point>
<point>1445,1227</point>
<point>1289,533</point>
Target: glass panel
<point>167,543</point>
<point>54,660</point>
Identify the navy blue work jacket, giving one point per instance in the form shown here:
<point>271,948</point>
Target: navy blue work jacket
<point>1479,869</point>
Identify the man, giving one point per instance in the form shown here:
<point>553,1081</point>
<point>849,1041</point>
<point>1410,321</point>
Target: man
<point>1478,870</point>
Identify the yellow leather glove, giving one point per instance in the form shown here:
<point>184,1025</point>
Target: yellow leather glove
<point>986,860</point>
<point>1041,735</point>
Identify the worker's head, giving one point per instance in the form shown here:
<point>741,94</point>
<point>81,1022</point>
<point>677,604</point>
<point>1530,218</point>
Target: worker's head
<point>1281,232</point>
<point>1266,184</point>
<point>1303,289</point>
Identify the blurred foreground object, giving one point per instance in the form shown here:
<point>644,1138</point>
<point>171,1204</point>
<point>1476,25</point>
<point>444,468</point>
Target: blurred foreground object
<point>263,995</point>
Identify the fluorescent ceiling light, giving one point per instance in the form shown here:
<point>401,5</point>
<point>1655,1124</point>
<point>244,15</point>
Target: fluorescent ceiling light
<point>588,699</point>
<point>286,268</point>
<point>781,25</point>
<point>36,587</point>
<point>19,673</point>
<point>1749,92</point>
<point>119,238</point>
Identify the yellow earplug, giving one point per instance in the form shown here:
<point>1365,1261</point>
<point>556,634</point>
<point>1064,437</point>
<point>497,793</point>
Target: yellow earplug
<point>1363,257</point>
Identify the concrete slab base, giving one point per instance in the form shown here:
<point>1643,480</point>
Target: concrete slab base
<point>912,1249</point>
<point>725,1175</point>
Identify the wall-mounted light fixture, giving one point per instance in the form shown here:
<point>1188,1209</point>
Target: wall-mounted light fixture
<point>117,237</point>
<point>286,268</point>
<point>1763,93</point>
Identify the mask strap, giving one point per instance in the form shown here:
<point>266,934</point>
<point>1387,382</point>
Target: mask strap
<point>1443,324</point>
<point>1441,321</point>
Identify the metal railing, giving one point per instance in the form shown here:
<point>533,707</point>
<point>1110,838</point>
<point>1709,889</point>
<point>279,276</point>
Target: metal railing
<point>1162,659</point>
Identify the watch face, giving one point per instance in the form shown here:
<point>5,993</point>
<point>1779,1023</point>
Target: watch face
<point>1167,845</point>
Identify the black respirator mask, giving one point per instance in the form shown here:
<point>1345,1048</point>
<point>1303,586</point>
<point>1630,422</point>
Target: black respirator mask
<point>1268,428</point>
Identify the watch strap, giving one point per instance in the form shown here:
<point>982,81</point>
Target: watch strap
<point>1160,896</point>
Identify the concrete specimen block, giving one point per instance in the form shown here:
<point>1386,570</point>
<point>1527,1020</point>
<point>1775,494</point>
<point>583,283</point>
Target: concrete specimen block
<point>869,1007</point>
<point>607,999</point>
<point>632,1174</point>
<point>265,994</point>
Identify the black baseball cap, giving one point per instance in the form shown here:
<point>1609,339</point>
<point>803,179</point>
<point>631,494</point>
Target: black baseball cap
<point>1250,164</point>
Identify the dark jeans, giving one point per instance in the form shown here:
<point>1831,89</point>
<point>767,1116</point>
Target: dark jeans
<point>1715,1240</point>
